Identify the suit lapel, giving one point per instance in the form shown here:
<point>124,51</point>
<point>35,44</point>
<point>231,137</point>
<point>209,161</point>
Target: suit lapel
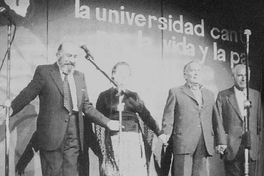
<point>55,74</point>
<point>188,92</point>
<point>233,101</point>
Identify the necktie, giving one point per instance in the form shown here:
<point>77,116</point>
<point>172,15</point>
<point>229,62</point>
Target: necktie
<point>67,102</point>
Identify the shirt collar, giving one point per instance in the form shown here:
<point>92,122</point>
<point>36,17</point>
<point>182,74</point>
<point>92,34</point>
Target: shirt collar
<point>237,91</point>
<point>194,86</point>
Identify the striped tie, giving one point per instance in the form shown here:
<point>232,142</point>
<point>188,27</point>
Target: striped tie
<point>67,102</point>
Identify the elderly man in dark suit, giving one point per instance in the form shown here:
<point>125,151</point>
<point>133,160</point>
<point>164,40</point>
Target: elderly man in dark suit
<point>63,99</point>
<point>230,104</point>
<point>188,120</point>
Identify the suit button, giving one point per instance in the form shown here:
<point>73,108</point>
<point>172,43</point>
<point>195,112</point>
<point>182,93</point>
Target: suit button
<point>66,120</point>
<point>199,126</point>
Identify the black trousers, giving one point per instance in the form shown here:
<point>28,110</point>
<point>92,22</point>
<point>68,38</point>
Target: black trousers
<point>64,160</point>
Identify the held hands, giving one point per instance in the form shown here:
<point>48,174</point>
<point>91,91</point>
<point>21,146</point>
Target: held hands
<point>220,149</point>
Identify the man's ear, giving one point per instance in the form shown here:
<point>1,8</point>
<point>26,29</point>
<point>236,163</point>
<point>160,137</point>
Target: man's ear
<point>233,77</point>
<point>184,75</point>
<point>58,54</point>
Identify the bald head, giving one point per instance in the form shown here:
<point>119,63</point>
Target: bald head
<point>68,46</point>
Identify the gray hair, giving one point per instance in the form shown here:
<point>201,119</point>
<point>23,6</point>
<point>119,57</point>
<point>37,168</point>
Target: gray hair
<point>234,70</point>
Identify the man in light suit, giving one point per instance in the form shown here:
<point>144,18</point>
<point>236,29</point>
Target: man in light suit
<point>188,121</point>
<point>230,104</point>
<point>60,121</point>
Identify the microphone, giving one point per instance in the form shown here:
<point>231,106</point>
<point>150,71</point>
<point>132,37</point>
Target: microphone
<point>247,32</point>
<point>4,12</point>
<point>86,50</point>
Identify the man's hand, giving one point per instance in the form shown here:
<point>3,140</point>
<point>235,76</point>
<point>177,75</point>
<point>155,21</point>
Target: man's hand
<point>113,125</point>
<point>164,138</point>
<point>220,149</point>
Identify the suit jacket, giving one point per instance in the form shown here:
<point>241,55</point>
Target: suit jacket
<point>233,121</point>
<point>90,141</point>
<point>183,120</point>
<point>53,117</point>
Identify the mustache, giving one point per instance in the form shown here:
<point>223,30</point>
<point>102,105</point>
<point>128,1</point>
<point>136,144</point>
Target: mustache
<point>69,63</point>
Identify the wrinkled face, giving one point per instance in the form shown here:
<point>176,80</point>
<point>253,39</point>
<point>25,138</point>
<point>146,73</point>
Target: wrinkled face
<point>239,77</point>
<point>67,57</point>
<point>122,75</point>
<point>192,73</point>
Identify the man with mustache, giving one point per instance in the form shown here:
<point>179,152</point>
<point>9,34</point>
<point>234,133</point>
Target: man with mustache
<point>63,99</point>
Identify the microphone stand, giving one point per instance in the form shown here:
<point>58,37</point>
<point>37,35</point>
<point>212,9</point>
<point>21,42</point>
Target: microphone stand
<point>120,110</point>
<point>121,93</point>
<point>89,58</point>
<point>8,101</point>
<point>247,106</point>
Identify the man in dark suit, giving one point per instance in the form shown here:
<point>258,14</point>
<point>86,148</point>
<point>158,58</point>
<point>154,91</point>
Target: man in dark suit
<point>230,105</point>
<point>188,121</point>
<point>90,142</point>
<point>63,99</point>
